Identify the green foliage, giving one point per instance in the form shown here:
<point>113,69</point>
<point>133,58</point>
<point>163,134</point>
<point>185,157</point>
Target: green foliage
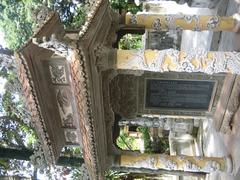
<point>16,167</point>
<point>78,18</point>
<point>164,146</point>
<point>114,175</point>
<point>71,152</point>
<point>15,129</point>
<point>72,14</point>
<point>17,22</point>
<point>130,41</point>
<point>16,18</point>
<point>146,139</point>
<point>127,143</point>
<point>125,5</point>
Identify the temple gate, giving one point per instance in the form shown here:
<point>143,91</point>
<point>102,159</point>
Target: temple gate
<point>77,86</point>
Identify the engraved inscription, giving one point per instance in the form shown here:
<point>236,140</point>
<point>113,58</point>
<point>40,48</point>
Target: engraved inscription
<point>178,94</point>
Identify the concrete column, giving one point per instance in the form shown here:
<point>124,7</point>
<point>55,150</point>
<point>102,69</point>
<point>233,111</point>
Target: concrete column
<point>177,163</point>
<point>179,61</point>
<point>165,22</point>
<point>147,122</point>
<point>175,125</point>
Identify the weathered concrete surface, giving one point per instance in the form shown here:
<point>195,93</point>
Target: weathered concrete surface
<point>205,40</point>
<point>230,41</point>
<point>216,143</point>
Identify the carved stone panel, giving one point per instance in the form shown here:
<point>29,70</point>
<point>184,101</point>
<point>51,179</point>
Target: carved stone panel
<point>178,94</point>
<point>123,94</point>
<point>71,136</point>
<point>58,74</point>
<point>64,102</point>
<point>58,81</point>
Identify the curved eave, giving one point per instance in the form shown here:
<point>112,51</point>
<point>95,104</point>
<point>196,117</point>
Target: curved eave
<point>34,109</point>
<point>52,16</point>
<point>90,16</point>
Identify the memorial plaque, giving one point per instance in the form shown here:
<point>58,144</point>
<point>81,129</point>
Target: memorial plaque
<point>178,94</point>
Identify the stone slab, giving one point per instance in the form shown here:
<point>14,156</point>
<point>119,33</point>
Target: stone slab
<point>178,94</point>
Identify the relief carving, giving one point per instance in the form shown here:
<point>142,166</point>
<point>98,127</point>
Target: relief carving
<point>208,62</point>
<point>180,21</point>
<point>109,114</point>
<point>60,46</point>
<point>71,136</point>
<point>101,54</point>
<point>58,74</point>
<point>65,107</point>
<point>107,76</point>
<point>123,94</point>
<point>168,163</point>
<point>112,35</point>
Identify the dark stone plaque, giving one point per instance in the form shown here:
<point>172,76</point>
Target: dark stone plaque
<point>178,94</point>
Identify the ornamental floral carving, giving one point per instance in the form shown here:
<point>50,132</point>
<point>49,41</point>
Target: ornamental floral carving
<point>213,23</point>
<point>157,25</point>
<point>179,61</point>
<point>123,95</point>
<point>146,163</point>
<point>38,158</point>
<point>186,22</point>
<point>71,136</point>
<point>169,164</point>
<point>84,172</point>
<point>133,19</point>
<point>101,53</point>
<point>65,107</point>
<point>211,166</point>
<point>58,74</point>
<point>62,46</point>
<point>189,166</point>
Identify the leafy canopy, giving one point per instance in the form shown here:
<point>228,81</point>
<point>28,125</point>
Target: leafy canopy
<point>17,18</point>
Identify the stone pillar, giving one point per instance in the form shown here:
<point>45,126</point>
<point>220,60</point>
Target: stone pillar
<point>156,122</point>
<point>156,173</point>
<point>162,22</point>
<point>177,163</point>
<point>172,124</point>
<point>178,61</point>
